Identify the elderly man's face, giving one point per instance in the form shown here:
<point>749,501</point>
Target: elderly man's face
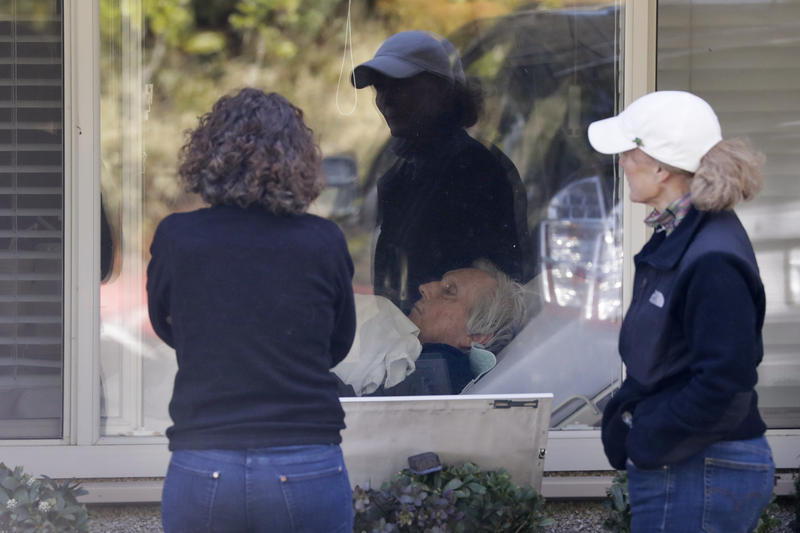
<point>441,313</point>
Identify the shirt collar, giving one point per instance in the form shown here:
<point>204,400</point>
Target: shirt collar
<point>669,219</point>
<point>664,253</point>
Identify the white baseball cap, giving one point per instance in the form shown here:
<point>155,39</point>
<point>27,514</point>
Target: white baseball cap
<point>409,53</point>
<point>674,127</point>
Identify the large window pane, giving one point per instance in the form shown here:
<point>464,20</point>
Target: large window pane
<point>31,219</point>
<point>741,56</point>
<point>546,74</point>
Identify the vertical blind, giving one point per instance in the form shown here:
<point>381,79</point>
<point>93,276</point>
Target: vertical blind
<point>31,218</point>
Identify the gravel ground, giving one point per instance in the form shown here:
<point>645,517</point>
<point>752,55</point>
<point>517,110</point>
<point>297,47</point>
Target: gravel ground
<point>137,518</point>
<point>570,517</point>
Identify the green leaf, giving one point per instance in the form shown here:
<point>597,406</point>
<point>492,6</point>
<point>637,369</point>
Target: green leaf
<point>453,484</point>
<point>205,43</point>
<point>10,483</point>
<point>618,497</point>
<point>21,495</point>
<point>477,488</point>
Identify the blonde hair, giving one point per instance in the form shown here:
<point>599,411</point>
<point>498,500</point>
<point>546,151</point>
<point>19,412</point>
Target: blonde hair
<point>729,173</point>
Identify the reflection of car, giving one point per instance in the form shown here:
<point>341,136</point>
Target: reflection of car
<point>581,251</point>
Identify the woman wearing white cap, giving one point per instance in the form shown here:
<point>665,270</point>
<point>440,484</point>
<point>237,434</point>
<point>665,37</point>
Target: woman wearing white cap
<point>685,423</point>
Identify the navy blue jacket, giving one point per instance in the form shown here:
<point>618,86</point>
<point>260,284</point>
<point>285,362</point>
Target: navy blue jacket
<point>260,308</point>
<point>691,342</point>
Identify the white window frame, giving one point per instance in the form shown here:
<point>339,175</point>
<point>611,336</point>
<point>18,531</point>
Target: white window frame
<point>83,452</point>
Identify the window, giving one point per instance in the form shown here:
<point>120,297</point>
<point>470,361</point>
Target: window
<point>546,74</point>
<point>115,379</point>
<point>31,219</point>
<point>741,56</point>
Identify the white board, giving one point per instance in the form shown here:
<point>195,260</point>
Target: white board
<point>493,431</point>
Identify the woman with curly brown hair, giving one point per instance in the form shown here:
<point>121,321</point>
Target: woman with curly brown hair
<point>255,296</point>
<point>685,423</point>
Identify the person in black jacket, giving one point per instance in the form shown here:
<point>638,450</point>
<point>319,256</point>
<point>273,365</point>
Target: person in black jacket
<point>685,423</point>
<point>447,200</point>
<point>256,297</point>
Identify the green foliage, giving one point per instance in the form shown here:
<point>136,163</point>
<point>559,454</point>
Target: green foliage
<point>29,505</point>
<point>458,498</point>
<point>205,43</point>
<point>173,20</point>
<point>618,505</point>
<point>279,26</point>
<point>769,521</point>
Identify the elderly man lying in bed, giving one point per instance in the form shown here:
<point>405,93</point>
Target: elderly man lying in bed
<point>445,342</point>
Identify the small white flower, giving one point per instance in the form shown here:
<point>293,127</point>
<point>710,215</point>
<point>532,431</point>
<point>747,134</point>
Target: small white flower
<point>11,504</point>
<point>45,506</point>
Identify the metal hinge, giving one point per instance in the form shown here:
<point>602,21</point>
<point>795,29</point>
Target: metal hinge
<point>508,404</point>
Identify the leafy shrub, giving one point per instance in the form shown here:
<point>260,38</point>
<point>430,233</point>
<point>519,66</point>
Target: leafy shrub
<point>457,498</point>
<point>30,505</point>
<point>619,508</point>
<point>769,521</point>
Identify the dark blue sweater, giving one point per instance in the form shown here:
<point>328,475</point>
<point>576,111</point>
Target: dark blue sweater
<point>258,308</point>
<point>691,342</point>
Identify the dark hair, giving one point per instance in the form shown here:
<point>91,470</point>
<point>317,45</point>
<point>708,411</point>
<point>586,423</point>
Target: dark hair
<point>253,148</point>
<point>465,99</point>
<point>468,101</point>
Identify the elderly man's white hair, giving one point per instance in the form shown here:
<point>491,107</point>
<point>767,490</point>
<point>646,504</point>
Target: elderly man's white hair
<point>499,312</point>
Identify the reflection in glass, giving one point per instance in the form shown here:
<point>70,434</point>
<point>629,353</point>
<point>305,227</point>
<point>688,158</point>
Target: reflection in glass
<point>741,57</point>
<point>447,200</point>
<point>545,73</point>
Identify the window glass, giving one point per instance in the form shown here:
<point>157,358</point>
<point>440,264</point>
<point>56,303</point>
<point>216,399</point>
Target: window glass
<point>741,56</point>
<point>31,219</point>
<point>545,71</point>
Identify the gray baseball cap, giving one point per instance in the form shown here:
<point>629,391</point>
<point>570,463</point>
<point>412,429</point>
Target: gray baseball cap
<point>409,53</point>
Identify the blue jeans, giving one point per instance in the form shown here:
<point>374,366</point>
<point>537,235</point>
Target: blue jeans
<point>289,489</point>
<point>722,489</point>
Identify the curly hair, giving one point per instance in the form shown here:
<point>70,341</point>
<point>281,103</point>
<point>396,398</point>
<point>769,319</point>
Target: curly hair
<point>253,148</point>
<point>729,173</point>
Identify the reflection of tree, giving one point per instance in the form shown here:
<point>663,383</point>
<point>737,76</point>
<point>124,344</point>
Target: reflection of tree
<point>193,51</point>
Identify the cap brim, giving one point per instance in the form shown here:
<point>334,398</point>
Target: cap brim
<point>393,67</point>
<point>607,136</point>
